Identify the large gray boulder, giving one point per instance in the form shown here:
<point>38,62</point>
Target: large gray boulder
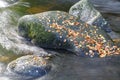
<point>86,12</point>
<point>60,30</point>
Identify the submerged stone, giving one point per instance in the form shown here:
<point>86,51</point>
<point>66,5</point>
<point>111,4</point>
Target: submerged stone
<point>86,12</point>
<point>60,30</point>
<point>29,65</point>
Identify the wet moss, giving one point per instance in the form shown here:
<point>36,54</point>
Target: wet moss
<point>40,8</point>
<point>39,35</point>
<point>36,32</point>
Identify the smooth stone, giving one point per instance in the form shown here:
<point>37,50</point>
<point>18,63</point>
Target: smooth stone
<point>60,30</point>
<point>86,12</point>
<point>30,65</point>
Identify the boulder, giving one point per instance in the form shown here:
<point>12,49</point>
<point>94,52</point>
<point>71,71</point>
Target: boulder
<point>60,30</point>
<point>30,65</point>
<point>86,12</point>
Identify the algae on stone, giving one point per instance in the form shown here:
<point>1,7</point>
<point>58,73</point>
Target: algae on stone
<point>65,32</point>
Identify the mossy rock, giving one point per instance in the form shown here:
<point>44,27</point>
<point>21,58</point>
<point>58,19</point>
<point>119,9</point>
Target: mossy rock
<point>60,30</point>
<point>37,29</point>
<point>86,12</point>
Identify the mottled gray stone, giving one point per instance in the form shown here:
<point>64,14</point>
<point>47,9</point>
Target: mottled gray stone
<point>60,30</point>
<point>85,11</point>
<point>29,65</point>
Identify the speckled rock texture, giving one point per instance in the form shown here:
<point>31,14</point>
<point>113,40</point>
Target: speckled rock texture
<point>29,65</point>
<point>60,30</point>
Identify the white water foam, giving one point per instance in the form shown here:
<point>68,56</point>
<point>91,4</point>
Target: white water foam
<point>4,78</point>
<point>3,3</point>
<point>9,38</point>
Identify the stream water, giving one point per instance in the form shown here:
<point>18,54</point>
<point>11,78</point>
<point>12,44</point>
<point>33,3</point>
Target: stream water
<point>67,65</point>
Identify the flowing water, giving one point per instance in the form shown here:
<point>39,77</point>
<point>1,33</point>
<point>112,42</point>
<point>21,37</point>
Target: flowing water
<point>66,66</point>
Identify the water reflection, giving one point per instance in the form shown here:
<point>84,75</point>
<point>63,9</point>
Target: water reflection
<point>107,6</point>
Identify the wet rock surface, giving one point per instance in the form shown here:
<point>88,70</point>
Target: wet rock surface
<point>29,65</point>
<point>86,12</point>
<point>59,30</point>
